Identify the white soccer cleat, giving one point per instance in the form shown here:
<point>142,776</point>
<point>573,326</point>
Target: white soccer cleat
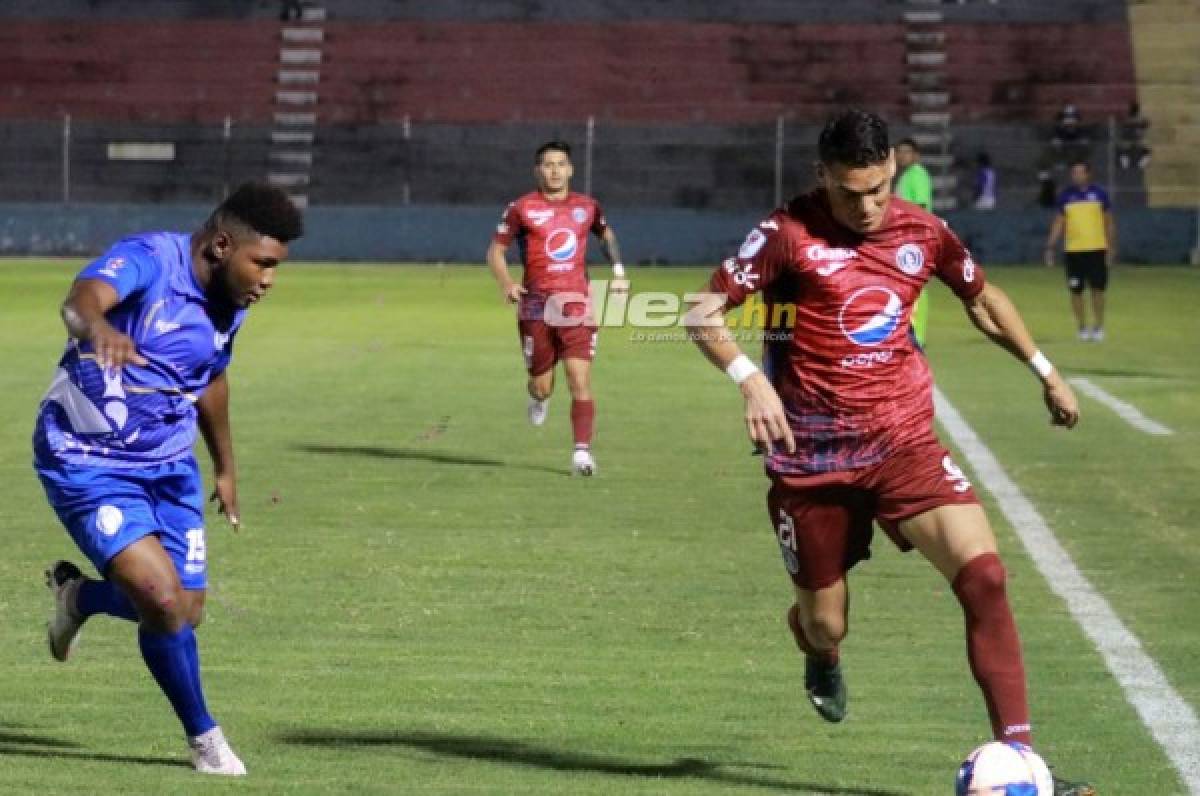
<point>62,631</point>
<point>1098,335</point>
<point>1085,335</point>
<point>582,462</point>
<point>538,411</point>
<point>211,754</point>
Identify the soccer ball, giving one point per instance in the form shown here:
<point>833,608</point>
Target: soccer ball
<point>1003,768</point>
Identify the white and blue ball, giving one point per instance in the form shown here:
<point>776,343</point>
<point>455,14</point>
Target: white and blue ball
<point>1003,768</point>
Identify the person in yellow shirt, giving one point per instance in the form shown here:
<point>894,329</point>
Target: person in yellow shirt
<point>1089,246</point>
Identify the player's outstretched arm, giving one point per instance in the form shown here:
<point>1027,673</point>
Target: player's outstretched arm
<point>212,409</point>
<point>994,314</point>
<point>498,264</point>
<point>766,422</point>
<point>83,313</point>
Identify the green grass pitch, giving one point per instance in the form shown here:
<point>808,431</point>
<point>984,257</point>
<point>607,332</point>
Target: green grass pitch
<point>423,601</point>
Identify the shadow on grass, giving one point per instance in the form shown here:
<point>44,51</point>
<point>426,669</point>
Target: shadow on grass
<point>418,454</point>
<point>35,740</point>
<point>503,750</point>
<point>9,749</point>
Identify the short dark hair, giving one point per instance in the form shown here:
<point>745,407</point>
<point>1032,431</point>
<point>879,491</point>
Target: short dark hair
<point>855,138</point>
<point>258,208</point>
<point>557,145</point>
<point>1081,162</point>
<point>908,142</point>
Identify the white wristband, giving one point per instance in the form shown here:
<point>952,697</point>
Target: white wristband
<point>618,270</point>
<point>741,368</point>
<point>1040,365</point>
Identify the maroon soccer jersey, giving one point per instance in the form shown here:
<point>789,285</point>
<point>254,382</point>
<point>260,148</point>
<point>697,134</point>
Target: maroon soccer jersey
<point>851,380</point>
<point>552,237</point>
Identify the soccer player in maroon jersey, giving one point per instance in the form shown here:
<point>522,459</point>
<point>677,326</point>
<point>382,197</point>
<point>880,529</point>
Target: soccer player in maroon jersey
<point>843,408</point>
<point>551,226</point>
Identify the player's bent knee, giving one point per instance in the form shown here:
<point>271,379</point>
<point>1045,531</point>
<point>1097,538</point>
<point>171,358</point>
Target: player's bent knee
<point>161,607</point>
<point>824,631</point>
<point>982,576</point>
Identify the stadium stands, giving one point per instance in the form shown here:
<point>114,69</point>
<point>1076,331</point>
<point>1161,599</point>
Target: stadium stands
<point>443,101</point>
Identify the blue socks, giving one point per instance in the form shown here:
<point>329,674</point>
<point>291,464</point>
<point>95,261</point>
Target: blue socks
<point>175,663</point>
<point>103,597</point>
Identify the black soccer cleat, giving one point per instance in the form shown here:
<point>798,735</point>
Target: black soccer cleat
<point>826,688</point>
<point>1064,788</point>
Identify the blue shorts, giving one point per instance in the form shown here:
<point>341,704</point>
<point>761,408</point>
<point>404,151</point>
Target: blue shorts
<point>107,509</point>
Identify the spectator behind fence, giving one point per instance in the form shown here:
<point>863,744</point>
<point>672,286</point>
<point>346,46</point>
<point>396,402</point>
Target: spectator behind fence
<point>985,182</point>
<point>1132,149</point>
<point>1070,141</point>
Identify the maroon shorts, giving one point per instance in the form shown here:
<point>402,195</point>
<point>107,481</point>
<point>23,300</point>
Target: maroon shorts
<point>824,521</point>
<point>544,345</point>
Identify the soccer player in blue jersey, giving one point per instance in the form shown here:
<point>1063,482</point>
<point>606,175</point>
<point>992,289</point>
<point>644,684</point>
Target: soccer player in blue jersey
<point>151,325</point>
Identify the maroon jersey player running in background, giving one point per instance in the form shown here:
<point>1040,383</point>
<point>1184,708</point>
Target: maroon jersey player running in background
<point>844,408</point>
<point>551,226</point>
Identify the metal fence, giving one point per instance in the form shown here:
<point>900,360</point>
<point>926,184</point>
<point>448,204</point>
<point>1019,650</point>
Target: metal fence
<point>703,166</point>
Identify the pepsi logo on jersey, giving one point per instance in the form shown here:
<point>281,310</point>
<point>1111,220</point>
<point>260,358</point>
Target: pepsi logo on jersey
<point>561,244</point>
<point>870,315</point>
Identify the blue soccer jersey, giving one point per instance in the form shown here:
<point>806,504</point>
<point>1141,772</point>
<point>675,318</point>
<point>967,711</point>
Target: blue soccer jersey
<point>139,415</point>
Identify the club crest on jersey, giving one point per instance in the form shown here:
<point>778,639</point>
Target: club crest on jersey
<point>561,245</point>
<point>753,243</point>
<point>579,215</point>
<point>870,315</point>
<point>910,259</point>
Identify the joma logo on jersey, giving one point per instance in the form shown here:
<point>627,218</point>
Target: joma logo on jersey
<point>743,275</point>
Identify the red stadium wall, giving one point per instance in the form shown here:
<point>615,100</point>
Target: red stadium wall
<point>651,72</point>
<point>1027,72</point>
<point>162,71</point>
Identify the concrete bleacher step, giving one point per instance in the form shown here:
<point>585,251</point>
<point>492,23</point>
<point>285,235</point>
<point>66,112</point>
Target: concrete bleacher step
<point>286,180</point>
<point>291,158</point>
<point>295,56</point>
<point>922,17</point>
<point>295,118</point>
<point>313,14</point>
<point>931,142</point>
<point>933,58</point>
<point>300,200</point>
<point>945,182</point>
<point>930,118</point>
<point>929,99</point>
<point>942,204</point>
<point>303,35</point>
<point>296,97</point>
<point>292,137</point>
<point>937,161</point>
<point>925,38</point>
<point>298,77</point>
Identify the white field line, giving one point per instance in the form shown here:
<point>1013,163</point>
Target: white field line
<point>1126,411</point>
<point>1170,719</point>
